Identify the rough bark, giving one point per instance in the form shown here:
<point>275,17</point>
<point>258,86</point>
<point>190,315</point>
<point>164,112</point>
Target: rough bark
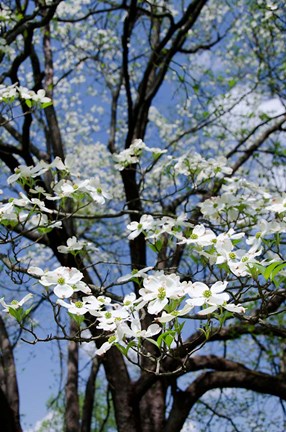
<point>89,398</point>
<point>9,406</point>
<point>72,415</point>
<point>8,423</point>
<point>246,379</point>
<point>125,406</point>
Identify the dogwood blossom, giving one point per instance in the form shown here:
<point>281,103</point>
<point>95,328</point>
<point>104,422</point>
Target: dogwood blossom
<point>15,304</point>
<point>95,190</point>
<point>238,260</point>
<point>132,154</point>
<point>72,245</point>
<point>228,306</point>
<point>167,317</point>
<point>26,202</point>
<point>170,225</point>
<point>200,294</point>
<point>25,172</point>
<point>109,320</point>
<point>39,97</point>
<point>7,213</point>
<point>64,279</point>
<point>135,329</point>
<point>134,274</point>
<point>146,222</point>
<point>76,308</point>
<point>158,289</point>
<point>278,205</point>
<point>200,235</point>
<point>116,337</point>
<point>265,229</point>
<point>66,188</point>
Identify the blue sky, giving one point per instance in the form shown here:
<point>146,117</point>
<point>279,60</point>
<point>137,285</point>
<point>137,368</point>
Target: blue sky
<point>38,378</point>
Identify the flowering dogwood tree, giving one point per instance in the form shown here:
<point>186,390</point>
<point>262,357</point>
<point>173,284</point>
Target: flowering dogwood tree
<point>143,204</point>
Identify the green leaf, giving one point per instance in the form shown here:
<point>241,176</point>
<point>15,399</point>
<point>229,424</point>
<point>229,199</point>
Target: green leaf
<point>14,313</point>
<point>29,103</point>
<point>272,270</point>
<point>77,318</point>
<point>166,337</point>
<point>232,83</point>
<point>277,269</point>
<point>121,348</point>
<point>46,104</point>
<point>168,340</point>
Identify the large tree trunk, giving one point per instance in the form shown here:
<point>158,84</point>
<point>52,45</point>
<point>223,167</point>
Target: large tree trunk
<point>9,393</point>
<point>72,416</point>
<point>8,422</point>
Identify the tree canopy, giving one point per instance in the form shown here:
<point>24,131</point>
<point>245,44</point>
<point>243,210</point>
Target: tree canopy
<point>143,205</point>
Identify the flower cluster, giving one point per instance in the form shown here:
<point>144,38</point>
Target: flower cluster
<point>164,296</point>
<point>154,228</point>
<point>133,153</point>
<point>200,169</point>
<point>12,92</point>
<point>37,212</point>
<point>218,249</point>
<point>239,201</point>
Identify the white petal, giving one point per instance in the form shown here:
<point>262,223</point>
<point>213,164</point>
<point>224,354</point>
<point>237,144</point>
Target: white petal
<point>63,291</point>
<point>208,310</point>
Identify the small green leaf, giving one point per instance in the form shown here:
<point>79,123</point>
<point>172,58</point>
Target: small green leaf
<point>272,270</point>
<point>14,313</point>
<point>77,318</point>
<point>46,104</point>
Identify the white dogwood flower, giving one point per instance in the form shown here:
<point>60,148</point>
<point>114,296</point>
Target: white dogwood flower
<point>158,289</point>
<point>135,329</point>
<point>15,304</point>
<point>72,245</point>
<point>200,294</point>
<point>76,308</point>
<point>64,279</point>
<point>146,222</point>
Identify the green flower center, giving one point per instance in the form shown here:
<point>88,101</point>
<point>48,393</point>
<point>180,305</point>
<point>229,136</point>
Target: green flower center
<point>61,281</point>
<point>175,313</point>
<point>232,255</point>
<point>161,293</point>
<point>140,226</point>
<point>127,303</point>
<point>111,339</point>
<point>75,186</point>
<point>99,190</point>
<point>194,236</point>
<point>14,302</point>
<point>78,304</point>
<point>207,293</point>
<point>244,259</point>
<point>258,235</point>
<point>108,315</point>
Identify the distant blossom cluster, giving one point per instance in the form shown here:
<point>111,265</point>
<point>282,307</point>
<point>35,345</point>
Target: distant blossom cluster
<point>9,93</point>
<point>36,212</point>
